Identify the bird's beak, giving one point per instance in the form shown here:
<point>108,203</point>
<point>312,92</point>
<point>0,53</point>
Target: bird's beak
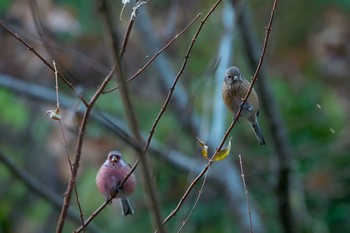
<point>235,78</point>
<point>114,159</point>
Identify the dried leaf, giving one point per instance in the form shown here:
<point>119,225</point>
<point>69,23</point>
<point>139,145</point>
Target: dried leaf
<point>222,154</point>
<point>54,115</point>
<point>204,151</point>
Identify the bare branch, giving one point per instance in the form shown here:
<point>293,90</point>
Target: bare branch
<point>131,23</point>
<point>131,117</point>
<point>69,84</point>
<point>195,204</point>
<point>210,162</point>
<point>235,119</point>
<point>57,117</point>
<point>78,150</point>
<point>228,185</point>
<point>246,194</point>
<point>158,53</point>
<point>41,190</point>
<point>163,67</point>
<point>278,132</point>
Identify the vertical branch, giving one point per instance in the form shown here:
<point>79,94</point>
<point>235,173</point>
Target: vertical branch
<point>131,24</point>
<point>224,55</point>
<point>172,214</point>
<point>56,112</point>
<point>246,194</point>
<point>195,204</point>
<point>56,86</point>
<point>277,129</point>
<point>98,210</point>
<point>76,163</point>
<point>40,189</point>
<point>131,117</point>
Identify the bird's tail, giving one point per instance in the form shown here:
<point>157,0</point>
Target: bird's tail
<point>126,207</point>
<point>258,133</point>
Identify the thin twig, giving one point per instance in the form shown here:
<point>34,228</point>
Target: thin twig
<point>158,53</point>
<point>108,122</point>
<point>278,132</point>
<point>40,189</point>
<point>126,36</point>
<point>131,23</point>
<point>56,86</point>
<point>163,108</point>
<point>93,215</point>
<point>66,146</point>
<point>164,68</point>
<point>71,168</point>
<point>31,48</point>
<point>262,55</point>
<point>195,203</point>
<point>173,213</point>
<point>165,105</point>
<point>246,194</point>
<point>267,34</point>
<point>218,116</point>
<point>131,117</point>
<point>78,150</point>
<point>194,182</point>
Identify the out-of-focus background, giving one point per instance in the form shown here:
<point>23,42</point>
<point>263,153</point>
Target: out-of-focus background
<point>308,69</point>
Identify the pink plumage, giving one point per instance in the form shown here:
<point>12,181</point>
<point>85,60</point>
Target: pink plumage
<point>112,172</point>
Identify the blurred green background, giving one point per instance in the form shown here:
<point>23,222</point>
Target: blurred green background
<point>308,61</point>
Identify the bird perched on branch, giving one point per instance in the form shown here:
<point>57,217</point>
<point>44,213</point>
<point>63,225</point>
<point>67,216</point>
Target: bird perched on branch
<point>233,92</point>
<point>112,172</point>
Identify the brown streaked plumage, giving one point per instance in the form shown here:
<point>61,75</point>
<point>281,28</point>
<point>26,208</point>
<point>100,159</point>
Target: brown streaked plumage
<point>233,91</point>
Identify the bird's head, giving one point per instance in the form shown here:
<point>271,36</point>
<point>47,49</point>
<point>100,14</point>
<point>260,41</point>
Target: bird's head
<point>232,75</point>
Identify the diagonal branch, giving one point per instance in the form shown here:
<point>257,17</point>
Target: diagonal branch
<point>157,53</point>
<point>31,48</point>
<point>228,184</point>
<point>40,189</point>
<point>279,136</point>
<point>193,183</point>
<point>81,135</point>
<point>164,68</point>
<point>131,116</point>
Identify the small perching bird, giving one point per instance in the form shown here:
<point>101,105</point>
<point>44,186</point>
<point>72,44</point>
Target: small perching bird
<point>112,172</point>
<point>233,92</point>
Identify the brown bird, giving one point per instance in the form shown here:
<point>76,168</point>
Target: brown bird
<point>233,91</point>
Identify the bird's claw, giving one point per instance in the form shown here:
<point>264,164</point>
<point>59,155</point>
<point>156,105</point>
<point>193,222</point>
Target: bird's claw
<point>109,200</point>
<point>246,106</point>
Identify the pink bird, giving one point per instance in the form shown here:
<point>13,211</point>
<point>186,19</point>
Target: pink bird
<point>111,174</point>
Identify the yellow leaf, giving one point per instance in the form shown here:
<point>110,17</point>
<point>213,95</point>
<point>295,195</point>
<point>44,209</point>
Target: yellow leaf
<point>204,151</point>
<point>222,154</point>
